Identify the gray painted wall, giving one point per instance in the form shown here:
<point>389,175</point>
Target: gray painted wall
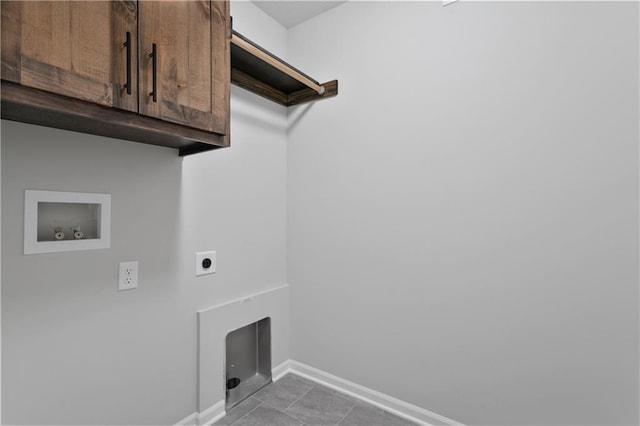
<point>466,227</point>
<point>463,217</point>
<point>0,277</point>
<point>76,351</point>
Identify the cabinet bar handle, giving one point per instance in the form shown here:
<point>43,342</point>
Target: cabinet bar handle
<point>154,65</point>
<point>127,44</point>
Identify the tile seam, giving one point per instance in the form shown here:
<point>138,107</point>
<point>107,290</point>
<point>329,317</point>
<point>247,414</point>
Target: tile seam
<point>293,403</point>
<point>320,387</point>
<point>348,412</point>
<point>249,412</point>
<point>282,412</point>
<point>299,398</point>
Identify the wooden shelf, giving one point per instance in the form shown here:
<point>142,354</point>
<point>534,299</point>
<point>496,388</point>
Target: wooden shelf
<point>28,105</point>
<point>252,68</point>
<point>259,71</point>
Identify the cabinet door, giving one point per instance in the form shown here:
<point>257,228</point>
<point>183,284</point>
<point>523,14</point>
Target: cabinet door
<point>73,48</point>
<point>191,76</point>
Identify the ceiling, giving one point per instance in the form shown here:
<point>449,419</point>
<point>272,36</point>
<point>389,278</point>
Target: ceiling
<point>290,13</point>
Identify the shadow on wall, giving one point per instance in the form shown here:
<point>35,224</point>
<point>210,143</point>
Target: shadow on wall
<point>248,109</point>
<point>297,114</point>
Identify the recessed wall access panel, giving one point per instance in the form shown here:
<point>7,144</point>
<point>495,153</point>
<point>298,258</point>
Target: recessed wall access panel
<point>57,221</point>
<point>248,361</point>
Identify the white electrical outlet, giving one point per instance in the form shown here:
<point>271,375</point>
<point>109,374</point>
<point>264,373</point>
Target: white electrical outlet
<point>205,263</point>
<point>128,277</point>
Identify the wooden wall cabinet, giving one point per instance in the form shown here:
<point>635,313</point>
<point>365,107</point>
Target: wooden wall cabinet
<point>190,46</point>
<point>70,48</point>
<point>86,66</point>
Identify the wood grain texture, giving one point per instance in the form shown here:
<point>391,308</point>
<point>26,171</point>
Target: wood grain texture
<point>191,39</point>
<point>40,75</point>
<point>11,12</point>
<point>221,65</point>
<point>310,95</point>
<point>70,62</point>
<point>276,63</point>
<point>261,72</point>
<point>258,87</point>
<point>66,48</point>
<point>25,104</point>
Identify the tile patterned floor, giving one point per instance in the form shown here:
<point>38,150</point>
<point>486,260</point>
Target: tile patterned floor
<point>296,401</point>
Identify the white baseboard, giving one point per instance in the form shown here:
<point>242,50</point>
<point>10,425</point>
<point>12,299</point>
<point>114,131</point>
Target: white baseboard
<point>280,370</point>
<point>388,403</point>
<point>212,414</point>
<point>385,402</point>
<point>216,411</point>
<point>190,420</point>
